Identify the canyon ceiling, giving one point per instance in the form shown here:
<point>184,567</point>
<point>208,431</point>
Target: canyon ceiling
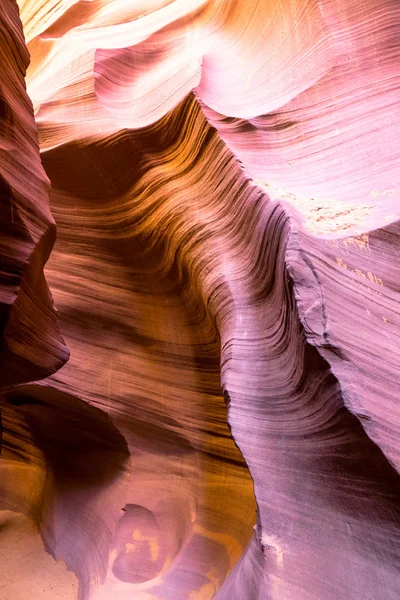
<point>199,299</point>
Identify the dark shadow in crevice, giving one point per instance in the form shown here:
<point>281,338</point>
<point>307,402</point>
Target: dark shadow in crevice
<point>81,445</point>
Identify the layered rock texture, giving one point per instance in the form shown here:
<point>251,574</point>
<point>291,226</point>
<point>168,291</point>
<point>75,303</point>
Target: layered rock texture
<point>200,376</point>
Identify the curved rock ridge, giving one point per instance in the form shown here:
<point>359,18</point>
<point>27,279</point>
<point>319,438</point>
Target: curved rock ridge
<point>291,86</point>
<point>31,346</point>
<point>361,272</point>
<point>224,179</point>
<point>189,506</point>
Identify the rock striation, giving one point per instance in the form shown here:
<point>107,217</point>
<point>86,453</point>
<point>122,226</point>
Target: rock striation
<point>212,410</point>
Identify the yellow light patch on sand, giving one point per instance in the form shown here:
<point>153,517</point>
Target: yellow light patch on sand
<point>153,543</point>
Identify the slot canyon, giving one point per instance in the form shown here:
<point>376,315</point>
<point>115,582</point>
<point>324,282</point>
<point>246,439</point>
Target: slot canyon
<point>200,299</point>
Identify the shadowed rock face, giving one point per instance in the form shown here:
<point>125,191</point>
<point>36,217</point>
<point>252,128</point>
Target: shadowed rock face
<point>211,410</point>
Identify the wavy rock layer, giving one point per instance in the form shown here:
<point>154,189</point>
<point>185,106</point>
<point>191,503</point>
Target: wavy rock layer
<point>292,86</point>
<point>31,346</point>
<point>228,369</point>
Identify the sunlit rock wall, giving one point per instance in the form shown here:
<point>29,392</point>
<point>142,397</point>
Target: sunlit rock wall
<point>225,183</point>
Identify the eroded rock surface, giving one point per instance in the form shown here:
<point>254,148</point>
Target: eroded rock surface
<point>224,180</point>
<point>31,346</point>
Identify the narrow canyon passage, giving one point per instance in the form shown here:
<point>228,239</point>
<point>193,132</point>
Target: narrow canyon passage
<point>147,354</point>
<point>199,300</point>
